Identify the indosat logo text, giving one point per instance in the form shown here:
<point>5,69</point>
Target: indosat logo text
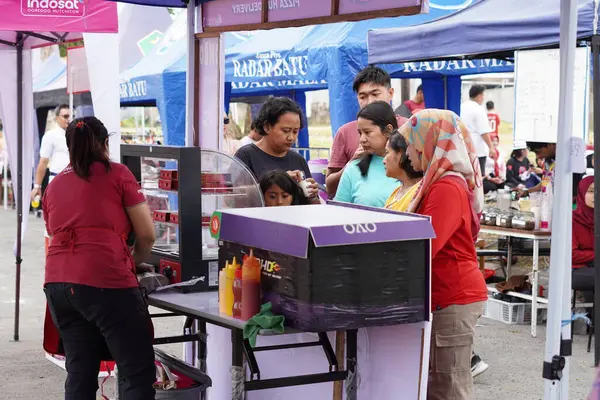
<point>53,8</point>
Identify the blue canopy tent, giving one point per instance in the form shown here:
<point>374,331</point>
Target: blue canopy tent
<point>442,79</point>
<point>329,56</point>
<point>338,52</point>
<point>159,79</point>
<point>489,28</point>
<point>294,60</point>
<point>262,66</point>
<point>270,63</point>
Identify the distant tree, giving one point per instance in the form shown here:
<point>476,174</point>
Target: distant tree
<point>64,46</point>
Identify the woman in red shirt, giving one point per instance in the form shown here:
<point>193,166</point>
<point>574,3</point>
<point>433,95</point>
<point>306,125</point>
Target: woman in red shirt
<point>451,194</point>
<point>93,295</point>
<point>583,239</point>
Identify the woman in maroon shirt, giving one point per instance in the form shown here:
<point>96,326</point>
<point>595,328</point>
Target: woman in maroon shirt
<point>583,239</point>
<point>90,209</point>
<point>451,193</point>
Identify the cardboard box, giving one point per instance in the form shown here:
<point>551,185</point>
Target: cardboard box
<point>327,267</point>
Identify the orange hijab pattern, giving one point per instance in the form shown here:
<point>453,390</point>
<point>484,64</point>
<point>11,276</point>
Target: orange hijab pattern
<point>445,148</point>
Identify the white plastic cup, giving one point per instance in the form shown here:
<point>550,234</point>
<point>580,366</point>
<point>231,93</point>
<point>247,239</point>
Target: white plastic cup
<point>537,214</point>
<point>304,186</point>
<point>35,203</point>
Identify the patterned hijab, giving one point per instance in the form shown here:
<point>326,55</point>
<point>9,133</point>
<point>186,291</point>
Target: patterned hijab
<point>445,148</point>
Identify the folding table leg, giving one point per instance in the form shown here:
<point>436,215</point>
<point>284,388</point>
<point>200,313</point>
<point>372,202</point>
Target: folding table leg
<point>534,287</point>
<point>238,375</point>
<point>202,351</point>
<point>352,364</point>
<point>509,254</point>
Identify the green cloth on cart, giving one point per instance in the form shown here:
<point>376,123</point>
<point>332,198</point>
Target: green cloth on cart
<point>265,319</point>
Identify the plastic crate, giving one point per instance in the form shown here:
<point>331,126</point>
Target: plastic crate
<point>509,313</point>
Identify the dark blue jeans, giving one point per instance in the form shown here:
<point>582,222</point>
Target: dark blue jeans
<point>89,319</point>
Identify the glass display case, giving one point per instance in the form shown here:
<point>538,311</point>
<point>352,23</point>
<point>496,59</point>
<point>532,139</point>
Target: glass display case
<point>183,187</point>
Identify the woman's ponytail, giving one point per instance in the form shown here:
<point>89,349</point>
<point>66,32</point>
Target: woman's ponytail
<point>86,140</point>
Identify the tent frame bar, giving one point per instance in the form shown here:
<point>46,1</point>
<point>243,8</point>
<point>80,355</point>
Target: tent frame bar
<point>19,191</point>
<point>61,38</point>
<point>596,127</point>
<point>6,42</point>
<point>57,39</point>
<point>43,37</point>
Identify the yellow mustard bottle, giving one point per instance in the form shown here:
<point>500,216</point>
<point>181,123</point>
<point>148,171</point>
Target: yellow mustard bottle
<point>228,292</point>
<point>222,287</point>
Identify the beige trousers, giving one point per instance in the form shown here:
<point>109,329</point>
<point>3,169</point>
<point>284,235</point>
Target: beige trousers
<point>452,333</point>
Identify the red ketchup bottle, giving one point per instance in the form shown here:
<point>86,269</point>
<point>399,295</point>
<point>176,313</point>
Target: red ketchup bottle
<point>237,294</point>
<point>250,287</point>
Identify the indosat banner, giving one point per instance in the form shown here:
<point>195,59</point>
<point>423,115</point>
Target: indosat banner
<point>58,16</point>
<point>272,70</point>
<point>54,8</point>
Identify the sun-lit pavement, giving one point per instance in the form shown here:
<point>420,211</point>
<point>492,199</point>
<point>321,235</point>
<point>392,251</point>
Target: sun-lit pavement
<point>515,358</point>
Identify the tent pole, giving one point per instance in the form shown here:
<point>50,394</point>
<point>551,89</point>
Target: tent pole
<point>191,136</point>
<point>558,336</point>
<point>19,193</point>
<point>596,122</point>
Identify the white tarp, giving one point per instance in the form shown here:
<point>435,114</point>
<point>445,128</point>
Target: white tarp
<point>102,51</point>
<point>78,80</point>
<point>8,115</point>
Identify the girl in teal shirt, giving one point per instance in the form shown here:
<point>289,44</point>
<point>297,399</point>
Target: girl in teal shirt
<point>364,180</point>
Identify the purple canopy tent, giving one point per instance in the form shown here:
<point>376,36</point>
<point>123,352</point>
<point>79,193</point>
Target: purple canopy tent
<point>25,24</point>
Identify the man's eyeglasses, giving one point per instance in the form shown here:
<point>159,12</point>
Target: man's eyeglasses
<point>65,116</point>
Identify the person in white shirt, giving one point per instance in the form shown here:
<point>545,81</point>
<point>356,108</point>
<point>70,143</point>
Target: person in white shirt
<point>53,150</point>
<point>251,137</point>
<point>475,119</point>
